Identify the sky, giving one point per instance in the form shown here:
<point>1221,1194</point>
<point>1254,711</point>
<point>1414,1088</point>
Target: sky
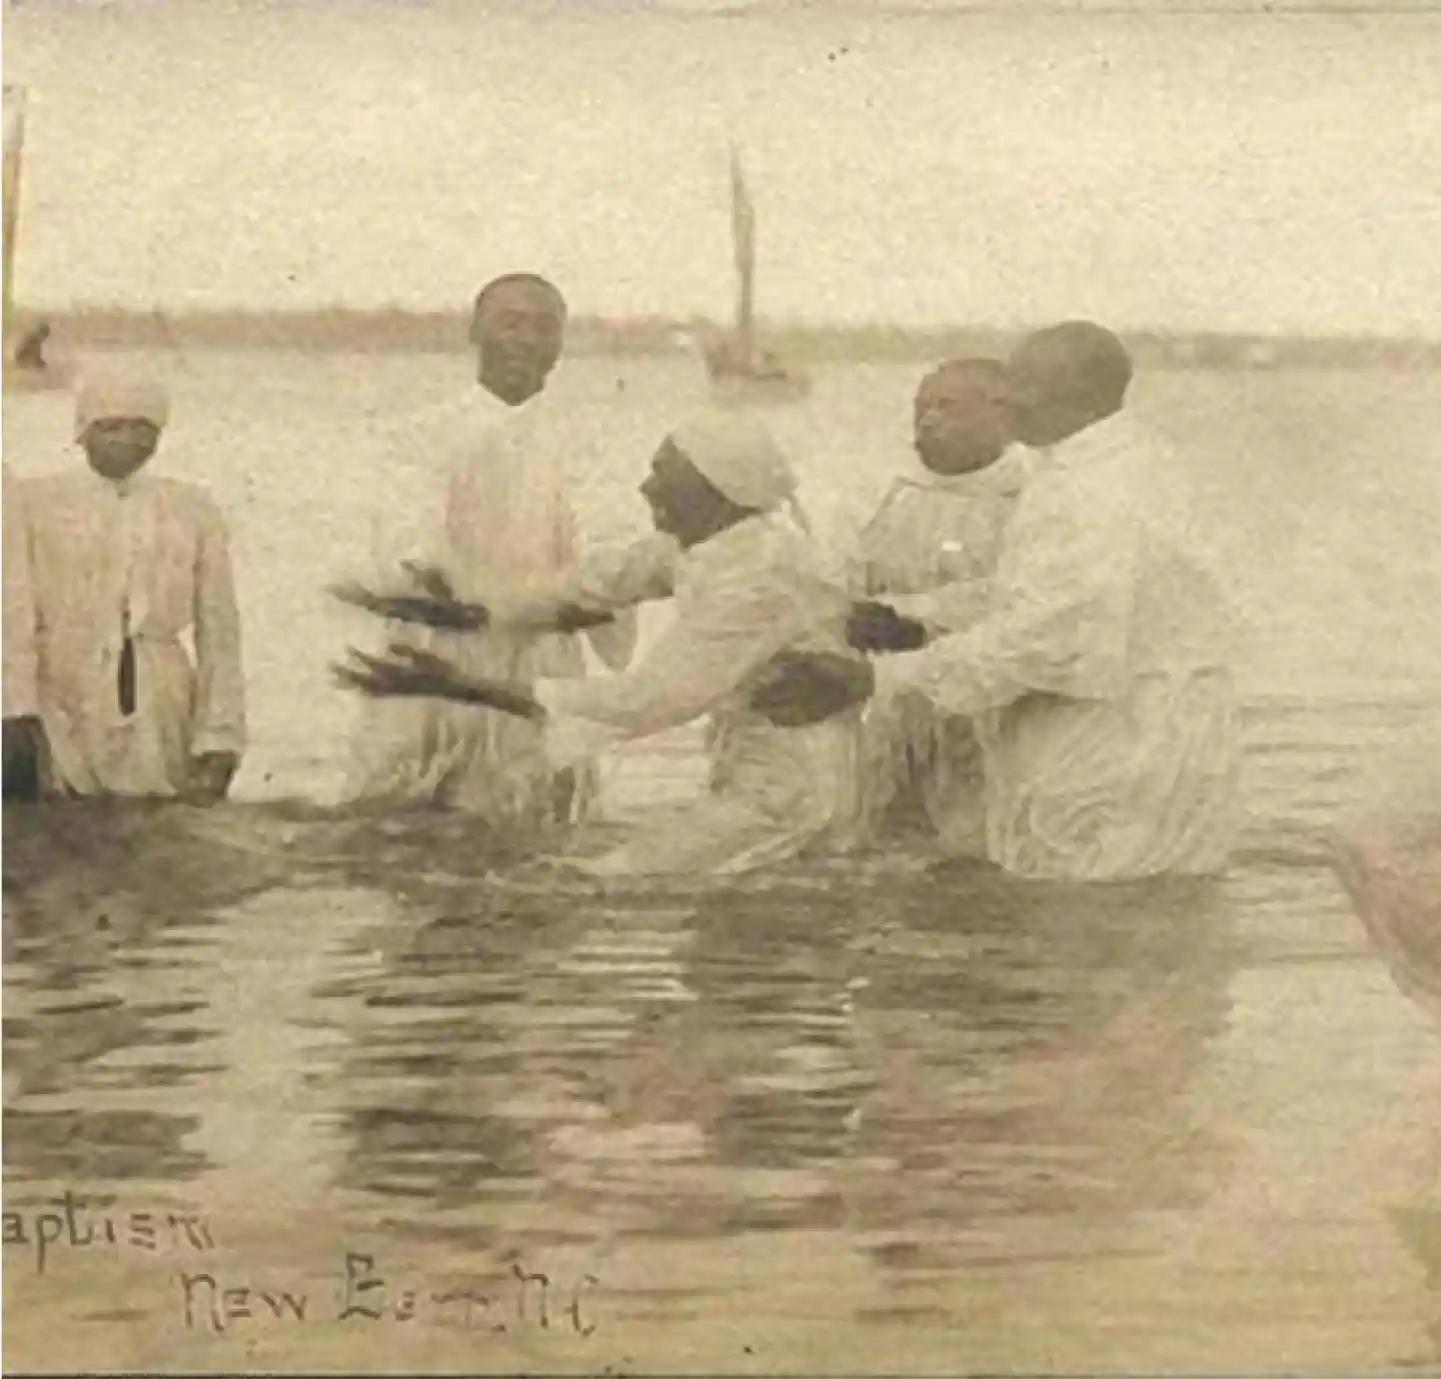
<point>918,165</point>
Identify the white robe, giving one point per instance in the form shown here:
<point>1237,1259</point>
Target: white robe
<point>1100,678</point>
<point>1387,850</point>
<point>151,554</point>
<point>490,507</point>
<point>741,597</point>
<point>21,695</point>
<point>930,552</point>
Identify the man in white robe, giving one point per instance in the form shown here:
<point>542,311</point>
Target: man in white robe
<point>492,511</point>
<point>1099,678</point>
<point>749,586</point>
<point>929,552</point>
<point>137,634</point>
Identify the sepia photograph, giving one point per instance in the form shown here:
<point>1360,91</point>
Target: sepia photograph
<point>722,687</point>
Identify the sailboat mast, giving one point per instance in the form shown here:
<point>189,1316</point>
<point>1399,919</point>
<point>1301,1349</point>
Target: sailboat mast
<point>14,147</point>
<point>743,226</point>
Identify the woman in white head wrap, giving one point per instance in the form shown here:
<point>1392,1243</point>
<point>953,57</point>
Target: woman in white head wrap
<point>748,586</point>
<point>127,569</point>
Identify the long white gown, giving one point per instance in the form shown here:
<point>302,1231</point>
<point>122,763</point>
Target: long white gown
<point>483,496</point>
<point>930,552</point>
<point>152,556</point>
<point>1100,680</point>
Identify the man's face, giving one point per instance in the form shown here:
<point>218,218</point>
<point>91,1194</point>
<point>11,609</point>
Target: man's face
<point>683,502</point>
<point>962,420</point>
<point>519,333</point>
<point>118,446</point>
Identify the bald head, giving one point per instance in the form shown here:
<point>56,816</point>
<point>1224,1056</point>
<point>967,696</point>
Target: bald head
<point>1064,379</point>
<point>962,416</point>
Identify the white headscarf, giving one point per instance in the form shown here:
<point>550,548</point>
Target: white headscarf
<point>107,397</point>
<point>741,459</point>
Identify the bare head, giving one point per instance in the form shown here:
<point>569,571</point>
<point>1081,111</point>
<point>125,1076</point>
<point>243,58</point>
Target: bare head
<point>963,416</point>
<point>518,328</point>
<point>1066,378</point>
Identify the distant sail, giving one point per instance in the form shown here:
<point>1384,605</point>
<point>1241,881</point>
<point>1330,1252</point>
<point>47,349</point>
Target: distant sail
<point>739,370</point>
<point>14,145</point>
<point>743,230</point>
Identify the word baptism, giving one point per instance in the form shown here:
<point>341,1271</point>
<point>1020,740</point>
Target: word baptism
<point>72,1227</point>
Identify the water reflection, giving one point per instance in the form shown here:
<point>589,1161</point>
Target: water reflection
<point>374,1031</point>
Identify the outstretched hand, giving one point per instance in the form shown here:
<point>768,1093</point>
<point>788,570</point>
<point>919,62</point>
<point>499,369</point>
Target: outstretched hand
<point>571,617</point>
<point>878,627</point>
<point>429,610</point>
<point>431,579</point>
<point>410,673</point>
<point>800,688</point>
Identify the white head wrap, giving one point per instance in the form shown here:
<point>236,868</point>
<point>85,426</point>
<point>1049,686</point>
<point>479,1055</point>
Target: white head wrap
<point>104,398</point>
<point>741,459</point>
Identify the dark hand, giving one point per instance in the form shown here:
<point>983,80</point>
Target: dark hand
<point>429,611</point>
<point>878,627</point>
<point>799,688</point>
<point>25,750</point>
<point>571,617</point>
<point>431,578</point>
<point>408,673</point>
<point>210,777</point>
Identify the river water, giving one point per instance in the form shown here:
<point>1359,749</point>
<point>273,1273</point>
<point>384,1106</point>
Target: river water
<point>858,1114</point>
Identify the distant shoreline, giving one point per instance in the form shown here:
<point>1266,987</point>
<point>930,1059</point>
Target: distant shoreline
<point>401,331</point>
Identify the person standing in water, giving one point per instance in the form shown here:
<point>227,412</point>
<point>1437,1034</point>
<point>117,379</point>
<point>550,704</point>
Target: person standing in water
<point>492,511</point>
<point>929,553</point>
<point>126,570</point>
<point>1099,677</point>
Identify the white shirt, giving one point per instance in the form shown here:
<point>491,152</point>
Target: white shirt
<point>1099,679</point>
<point>740,597</point>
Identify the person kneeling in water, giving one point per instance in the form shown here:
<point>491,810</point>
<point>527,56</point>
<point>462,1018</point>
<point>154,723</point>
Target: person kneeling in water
<point>757,643</point>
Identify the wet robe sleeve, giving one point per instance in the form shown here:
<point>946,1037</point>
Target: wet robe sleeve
<point>613,642</point>
<point>952,607</point>
<point>1059,616</point>
<point>728,623</point>
<point>219,721</point>
<point>611,579</point>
